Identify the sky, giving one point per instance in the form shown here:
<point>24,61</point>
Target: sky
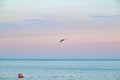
<point>32,29</point>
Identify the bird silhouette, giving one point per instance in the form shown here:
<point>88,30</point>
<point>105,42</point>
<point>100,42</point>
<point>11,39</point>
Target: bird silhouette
<point>62,40</point>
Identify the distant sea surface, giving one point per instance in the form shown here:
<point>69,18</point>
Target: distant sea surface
<point>60,69</point>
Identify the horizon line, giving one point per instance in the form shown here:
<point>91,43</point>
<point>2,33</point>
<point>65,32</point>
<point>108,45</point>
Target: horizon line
<point>61,59</point>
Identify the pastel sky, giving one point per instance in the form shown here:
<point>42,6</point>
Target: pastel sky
<point>33,29</point>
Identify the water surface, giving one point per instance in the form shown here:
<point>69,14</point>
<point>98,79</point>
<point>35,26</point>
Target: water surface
<point>61,69</point>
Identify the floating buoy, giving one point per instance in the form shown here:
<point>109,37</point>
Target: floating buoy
<point>20,75</point>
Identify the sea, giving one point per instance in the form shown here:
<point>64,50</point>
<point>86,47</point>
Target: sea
<point>60,69</point>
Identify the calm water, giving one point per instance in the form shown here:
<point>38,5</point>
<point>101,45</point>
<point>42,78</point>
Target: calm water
<point>60,69</point>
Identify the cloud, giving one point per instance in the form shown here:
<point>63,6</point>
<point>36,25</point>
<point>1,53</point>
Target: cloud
<point>118,15</point>
<point>12,26</point>
<point>102,16</point>
<point>6,25</point>
<point>38,21</point>
<point>34,20</point>
<point>107,16</point>
<point>41,21</point>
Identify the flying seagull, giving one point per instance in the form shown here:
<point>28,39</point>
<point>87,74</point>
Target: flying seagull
<point>62,40</point>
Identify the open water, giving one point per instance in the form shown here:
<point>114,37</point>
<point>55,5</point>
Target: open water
<point>60,69</point>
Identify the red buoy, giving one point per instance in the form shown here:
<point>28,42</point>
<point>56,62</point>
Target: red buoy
<point>20,75</point>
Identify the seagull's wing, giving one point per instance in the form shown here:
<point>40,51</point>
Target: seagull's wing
<point>62,40</point>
